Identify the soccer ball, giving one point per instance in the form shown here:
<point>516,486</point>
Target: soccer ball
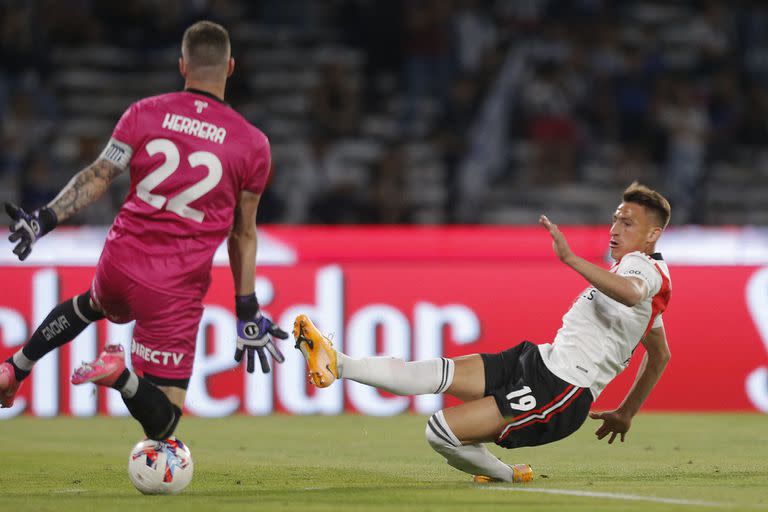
<point>160,467</point>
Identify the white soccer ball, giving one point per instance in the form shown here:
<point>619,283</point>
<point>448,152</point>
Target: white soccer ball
<point>160,467</point>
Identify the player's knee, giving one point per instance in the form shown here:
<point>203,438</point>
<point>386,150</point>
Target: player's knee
<point>175,394</point>
<point>439,436</point>
<point>87,308</point>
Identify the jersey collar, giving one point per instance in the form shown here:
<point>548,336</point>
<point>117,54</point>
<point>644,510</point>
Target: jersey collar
<point>206,93</point>
<point>657,256</point>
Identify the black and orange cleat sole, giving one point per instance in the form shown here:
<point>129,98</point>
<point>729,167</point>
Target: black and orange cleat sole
<point>521,473</point>
<point>317,350</point>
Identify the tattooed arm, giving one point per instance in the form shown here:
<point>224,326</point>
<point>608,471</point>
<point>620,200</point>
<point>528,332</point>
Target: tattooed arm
<point>84,188</point>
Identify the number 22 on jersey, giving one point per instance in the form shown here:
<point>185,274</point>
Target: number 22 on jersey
<point>179,204</point>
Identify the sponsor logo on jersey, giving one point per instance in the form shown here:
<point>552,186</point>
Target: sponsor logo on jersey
<point>155,356</point>
<point>190,126</point>
<point>200,105</point>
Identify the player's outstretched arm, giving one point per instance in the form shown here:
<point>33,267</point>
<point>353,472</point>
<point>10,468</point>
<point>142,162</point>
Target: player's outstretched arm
<point>85,188</point>
<point>254,330</point>
<point>626,290</point>
<point>654,362</point>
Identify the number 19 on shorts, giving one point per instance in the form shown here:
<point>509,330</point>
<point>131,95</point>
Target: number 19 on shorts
<point>521,399</point>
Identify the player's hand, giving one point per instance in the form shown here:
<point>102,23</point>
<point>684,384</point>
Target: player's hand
<point>614,422</point>
<point>255,335</point>
<point>559,243</point>
<point>28,228</point>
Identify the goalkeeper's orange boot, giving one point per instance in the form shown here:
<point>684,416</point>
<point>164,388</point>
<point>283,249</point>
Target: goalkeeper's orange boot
<point>317,350</point>
<point>521,473</point>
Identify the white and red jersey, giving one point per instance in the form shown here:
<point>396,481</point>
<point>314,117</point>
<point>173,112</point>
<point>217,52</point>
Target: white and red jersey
<point>189,156</point>
<point>599,334</point>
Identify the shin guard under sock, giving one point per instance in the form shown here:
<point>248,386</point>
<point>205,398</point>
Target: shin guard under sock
<point>153,409</point>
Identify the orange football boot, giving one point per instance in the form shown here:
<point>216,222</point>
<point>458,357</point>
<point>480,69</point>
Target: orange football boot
<point>521,473</point>
<point>317,350</point>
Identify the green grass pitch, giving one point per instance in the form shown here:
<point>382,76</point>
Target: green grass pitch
<point>695,461</point>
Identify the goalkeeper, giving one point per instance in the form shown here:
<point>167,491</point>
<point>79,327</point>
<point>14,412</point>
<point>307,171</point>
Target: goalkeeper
<point>198,170</point>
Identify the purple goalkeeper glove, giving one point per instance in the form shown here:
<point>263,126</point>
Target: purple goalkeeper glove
<point>254,334</point>
<point>28,228</point>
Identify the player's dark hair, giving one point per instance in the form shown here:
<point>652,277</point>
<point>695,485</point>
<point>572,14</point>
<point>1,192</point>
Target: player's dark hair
<point>205,44</point>
<point>652,200</point>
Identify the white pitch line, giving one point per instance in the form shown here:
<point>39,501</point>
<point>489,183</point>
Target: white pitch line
<point>610,495</point>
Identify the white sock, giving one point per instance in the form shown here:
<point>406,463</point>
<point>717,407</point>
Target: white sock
<point>23,362</point>
<point>474,459</point>
<point>396,376</point>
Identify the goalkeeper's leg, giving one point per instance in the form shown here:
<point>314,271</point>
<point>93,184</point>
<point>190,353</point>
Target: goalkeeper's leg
<point>163,351</point>
<point>153,401</point>
<point>62,325</point>
<point>462,377</point>
<point>457,434</point>
<point>156,403</point>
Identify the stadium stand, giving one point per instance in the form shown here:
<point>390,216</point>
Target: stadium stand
<point>423,111</point>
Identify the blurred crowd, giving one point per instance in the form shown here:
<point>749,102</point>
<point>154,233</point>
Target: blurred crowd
<point>669,90</point>
<point>664,92</point>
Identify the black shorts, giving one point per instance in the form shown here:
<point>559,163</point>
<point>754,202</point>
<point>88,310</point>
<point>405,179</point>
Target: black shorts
<point>539,407</point>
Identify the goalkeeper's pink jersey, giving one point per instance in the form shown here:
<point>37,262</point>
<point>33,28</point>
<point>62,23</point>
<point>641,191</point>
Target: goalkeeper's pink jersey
<point>189,156</point>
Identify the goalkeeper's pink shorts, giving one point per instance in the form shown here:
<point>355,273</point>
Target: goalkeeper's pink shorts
<point>165,333</point>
